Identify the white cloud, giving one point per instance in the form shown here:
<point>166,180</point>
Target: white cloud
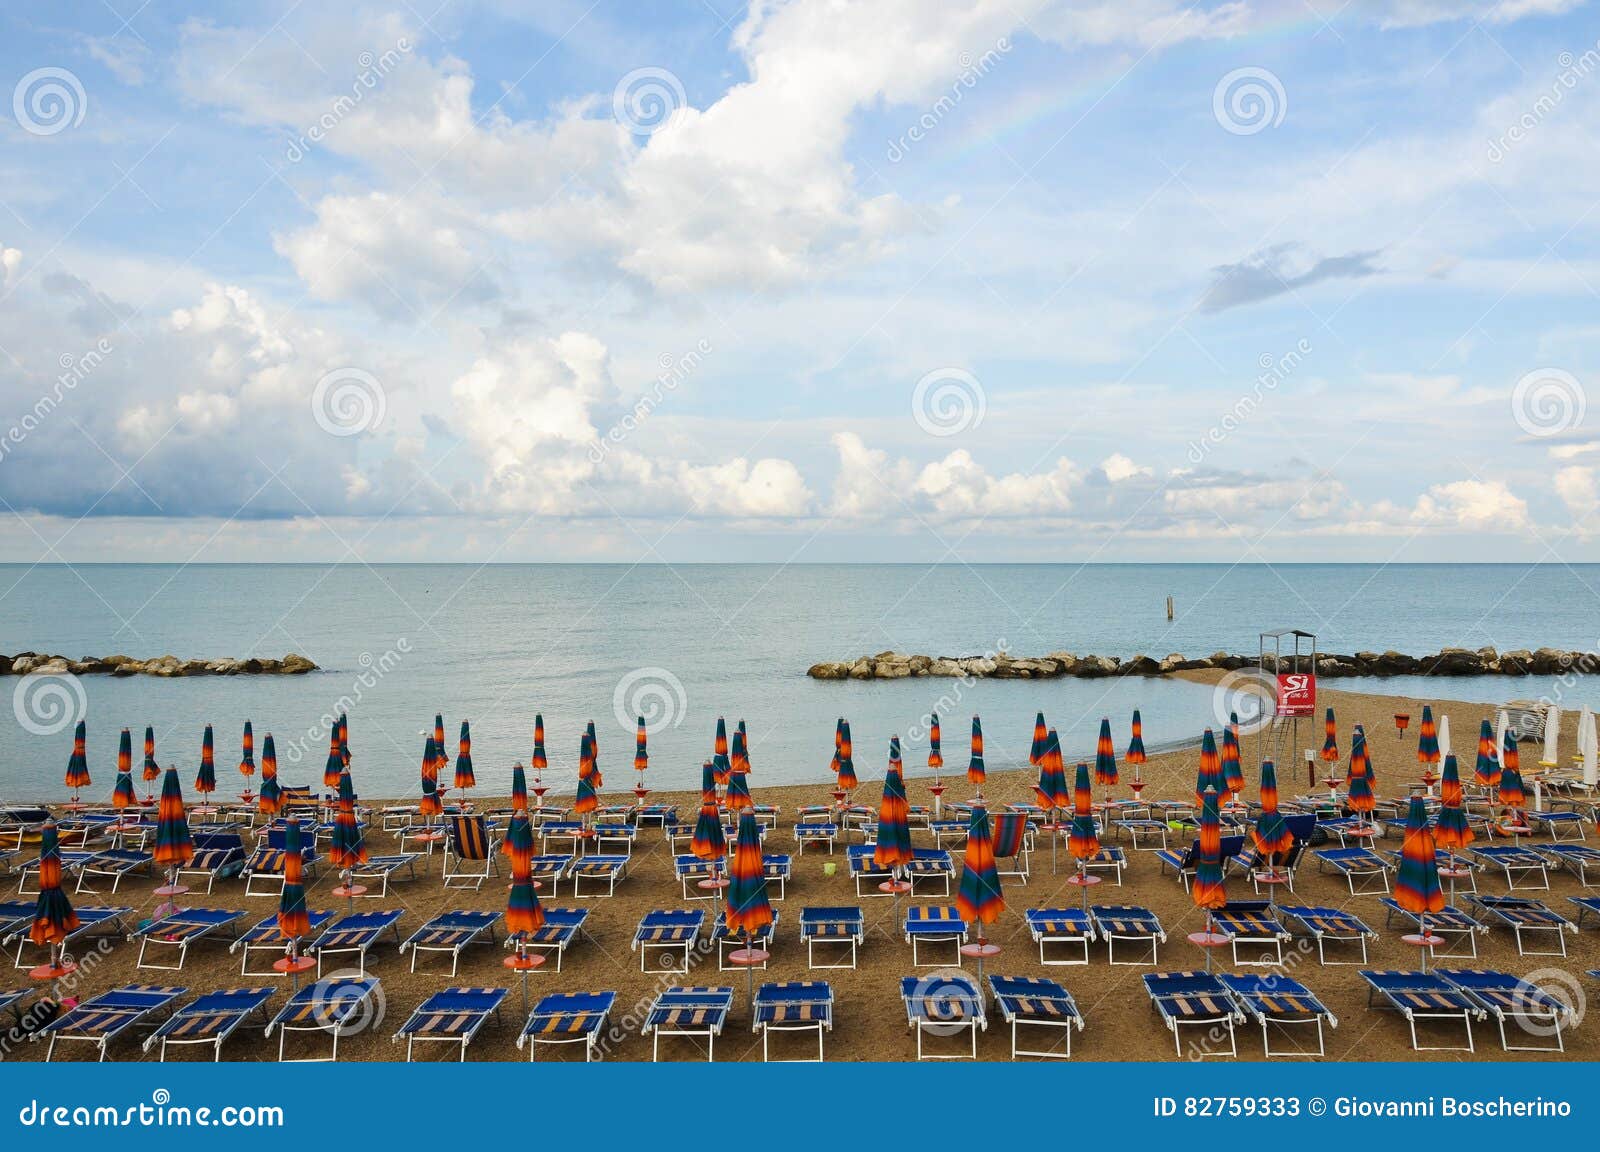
<point>10,261</point>
<point>1118,468</point>
<point>1476,505</point>
<point>1580,492</point>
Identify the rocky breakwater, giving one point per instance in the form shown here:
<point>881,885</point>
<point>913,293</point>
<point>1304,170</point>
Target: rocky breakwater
<point>41,664</point>
<point>1004,666</point>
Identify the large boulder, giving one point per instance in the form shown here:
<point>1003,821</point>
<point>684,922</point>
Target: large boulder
<point>944,666</point>
<point>1549,661</point>
<point>1455,662</point>
<point>828,671</point>
<point>978,666</point>
<point>891,669</point>
<point>1171,662</point>
<point>1140,665</point>
<point>295,664</point>
<point>1096,666</point>
<point>861,670</point>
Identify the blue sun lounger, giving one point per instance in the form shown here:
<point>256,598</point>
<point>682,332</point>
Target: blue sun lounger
<point>691,870</point>
<point>1587,906</point>
<point>552,867</point>
<point>1130,924</point>
<point>71,862</point>
<point>1193,999</point>
<point>335,1006</point>
<point>210,1019</point>
<point>778,869</point>
<point>355,934</point>
<point>658,814</point>
<point>376,874</point>
<point>217,856</point>
<point>263,872</point>
<point>1184,864</point>
<point>569,831</point>
<point>688,1011</point>
<point>942,1004</point>
<point>1574,858</point>
<point>841,926</point>
<point>1522,914</point>
<point>668,930</point>
<point>609,869</point>
<point>451,932</point>
<point>101,1019</point>
<point>1422,996</point>
<point>1281,1002</point>
<point>1253,923</point>
<point>726,941</point>
<point>560,928</point>
<point>1507,997</point>
<point>1516,862</point>
<point>113,864</point>
<point>182,928</point>
<point>798,1006</point>
<point>12,998</point>
<point>1032,1002</point>
<point>1357,864</point>
<point>1450,923</point>
<point>93,919</point>
<point>619,836</point>
<point>453,1016</point>
<point>568,1018</point>
<point>1327,925</point>
<point>815,833</point>
<point>264,936</point>
<point>1564,825</point>
<point>1069,927</point>
<point>934,924</point>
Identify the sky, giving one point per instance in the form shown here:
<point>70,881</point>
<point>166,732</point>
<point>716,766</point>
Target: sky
<point>1023,280</point>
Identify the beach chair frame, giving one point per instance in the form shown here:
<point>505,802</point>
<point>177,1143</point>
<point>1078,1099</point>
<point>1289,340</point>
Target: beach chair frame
<point>258,873</point>
<point>1537,917</point>
<point>1451,924</point>
<point>1576,859</point>
<point>1253,923</point>
<point>72,861</point>
<point>1194,1000</point>
<point>792,1007</point>
<point>113,864</point>
<point>1047,926</point>
<point>196,924</point>
<point>326,1007</point>
<point>217,1015</point>
<point>814,833</point>
<point>469,862</point>
<point>1514,860</point>
<point>1357,862</point>
<point>561,927</point>
<point>1503,997</point>
<point>930,1000</point>
<point>214,854</point>
<point>263,936</point>
<point>469,1010</point>
<point>934,924</point>
<point>355,934</point>
<point>473,924</point>
<point>1139,831</point>
<point>611,869</point>
<point>778,868</point>
<point>107,1016</point>
<point>727,942</point>
<point>1451,1004</point>
<point>378,871</point>
<point>1330,925</point>
<point>1554,821</point>
<point>1132,925</point>
<point>709,1008</point>
<point>668,930</point>
<point>838,926</point>
<point>1015,995</point>
<point>92,920</point>
<point>569,1018</point>
<point>1254,995</point>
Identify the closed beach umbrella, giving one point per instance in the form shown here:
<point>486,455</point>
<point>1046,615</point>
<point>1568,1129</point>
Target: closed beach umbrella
<point>748,908</point>
<point>205,780</point>
<point>1136,753</point>
<point>893,848</point>
<point>519,788</point>
<point>1513,796</point>
<point>344,739</point>
<point>719,752</point>
<point>641,748</point>
<point>518,845</point>
<point>741,750</point>
<point>349,846</point>
<point>588,761</point>
<point>1444,737</point>
<point>738,797</point>
<point>441,758</point>
<point>1486,771</point>
<point>78,763</point>
<point>540,761</point>
<point>465,778</point>
<point>847,760</point>
<point>1232,769</point>
<point>838,738</point>
<point>594,746</point>
<point>151,770</point>
<point>430,760</point>
<point>1271,835</point>
<point>979,900</point>
<point>293,920</point>
<point>1358,783</point>
<point>1082,841</point>
<point>335,762</point>
<point>53,917</point>
<point>247,755</point>
<point>1589,748</point>
<point>708,842</point>
<point>935,753</point>
<point>1428,738</point>
<point>708,783</point>
<point>269,799</point>
<point>976,774</point>
<point>1416,885</point>
<point>429,805</point>
<point>1208,889</point>
<point>1209,775</point>
<point>1041,733</point>
<point>1552,738</point>
<point>122,790</point>
<point>524,913</point>
<point>1451,830</point>
<point>1052,791</point>
<point>588,795</point>
<point>174,846</point>
<point>1330,738</point>
<point>1105,756</point>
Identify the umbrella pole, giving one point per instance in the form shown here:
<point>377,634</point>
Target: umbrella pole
<point>1207,949</point>
<point>1424,949</point>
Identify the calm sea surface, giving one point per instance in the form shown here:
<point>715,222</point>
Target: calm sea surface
<point>686,644</point>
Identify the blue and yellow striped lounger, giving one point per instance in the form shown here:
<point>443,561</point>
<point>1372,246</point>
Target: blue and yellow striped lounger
<point>469,852</point>
<point>71,862</point>
<point>378,871</point>
<point>551,866</point>
<point>688,1011</point>
<point>1130,924</point>
<point>560,928</point>
<point>216,855</point>
<point>1282,1002</point>
<point>1193,999</point>
<point>1574,858</point>
<point>1508,997</point>
<point>678,835</point>
<point>354,935</point>
<point>93,919</point>
<point>798,1006</point>
<point>953,830</point>
<point>453,1016</point>
<point>778,869</point>
<point>691,870</point>
<point>935,924</point>
<point>943,1003</point>
<point>113,864</point>
<point>668,930</point>
<point>263,872</point>
<point>451,932</point>
<point>1067,926</point>
<point>1253,922</point>
<point>264,936</point>
<point>1422,996</point>
<point>570,831</point>
<point>815,832</point>
<point>658,814</point>
<point>1516,862</point>
<point>210,1019</point>
<point>1355,864</point>
<point>1522,914</point>
<point>845,927</point>
<point>726,942</point>
<point>568,1018</point>
<point>619,836</point>
<point>609,869</point>
<point>335,1005</point>
<point>1564,825</point>
<point>103,1018</point>
<point>1032,1002</point>
<point>930,864</point>
<point>182,928</point>
<point>1324,924</point>
<point>1450,923</point>
<point>12,998</point>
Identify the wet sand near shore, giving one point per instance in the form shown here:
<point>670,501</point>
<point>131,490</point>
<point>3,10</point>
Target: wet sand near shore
<point>870,1022</point>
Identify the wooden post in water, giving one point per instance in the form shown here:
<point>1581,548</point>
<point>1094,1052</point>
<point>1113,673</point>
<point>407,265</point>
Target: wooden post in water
<point>1169,607</point>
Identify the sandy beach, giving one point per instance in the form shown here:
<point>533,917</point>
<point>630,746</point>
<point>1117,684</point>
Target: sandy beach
<point>870,1021</point>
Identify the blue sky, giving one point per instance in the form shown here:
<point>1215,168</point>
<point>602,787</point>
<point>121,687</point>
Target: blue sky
<point>800,281</point>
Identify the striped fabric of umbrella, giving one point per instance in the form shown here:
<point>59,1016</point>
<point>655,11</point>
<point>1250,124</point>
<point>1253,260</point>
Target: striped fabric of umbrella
<point>1513,795</point>
<point>540,761</point>
<point>1416,885</point>
<point>174,846</point>
<point>293,919</point>
<point>1451,830</point>
<point>748,910</point>
<point>1041,733</point>
<point>1232,769</point>
<point>441,758</point>
<point>1428,738</point>
<point>1210,774</point>
<point>1105,756</point>
<point>465,778</point>
<point>738,795</point>
<point>588,787</point>
<point>935,753</point>
<point>78,763</point>
<point>429,805</point>
<point>641,749</point>
<point>838,739</point>
<point>1136,753</point>
<point>1271,835</point>
<point>1486,772</point>
<point>740,764</point>
<point>1358,781</point>
<point>335,762</point>
<point>269,799</point>
<point>708,842</point>
<point>976,773</point>
<point>979,900</point>
<point>524,913</point>
<point>1052,792</point>
<point>719,752</point>
<point>247,754</point>
<point>344,739</point>
<point>519,788</point>
<point>708,783</point>
<point>151,770</point>
<point>1082,840</point>
<point>847,759</point>
<point>122,791</point>
<point>1330,738</point>
<point>205,780</point>
<point>349,846</point>
<point>518,845</point>
<point>594,749</point>
<point>53,917</point>
<point>1208,889</point>
<point>588,761</point>
<point>893,848</point>
<point>430,760</point>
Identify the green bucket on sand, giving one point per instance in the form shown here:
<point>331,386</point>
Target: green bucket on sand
<point>830,868</point>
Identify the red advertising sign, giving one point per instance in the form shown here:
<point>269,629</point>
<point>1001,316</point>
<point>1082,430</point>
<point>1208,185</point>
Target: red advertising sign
<point>1297,694</point>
